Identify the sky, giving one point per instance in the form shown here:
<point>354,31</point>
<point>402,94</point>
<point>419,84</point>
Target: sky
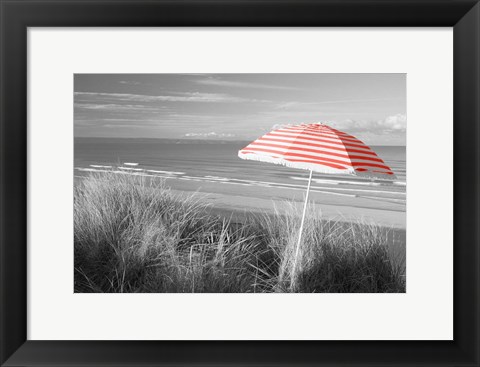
<point>371,107</point>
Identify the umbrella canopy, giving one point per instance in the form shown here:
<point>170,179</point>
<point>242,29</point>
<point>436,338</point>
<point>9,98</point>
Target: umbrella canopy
<point>318,148</point>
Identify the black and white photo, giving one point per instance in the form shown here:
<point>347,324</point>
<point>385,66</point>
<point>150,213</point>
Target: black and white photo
<point>240,183</point>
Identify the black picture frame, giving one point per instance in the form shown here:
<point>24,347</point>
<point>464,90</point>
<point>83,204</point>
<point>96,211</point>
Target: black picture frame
<point>18,15</point>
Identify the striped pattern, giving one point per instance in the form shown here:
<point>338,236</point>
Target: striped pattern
<point>317,147</point>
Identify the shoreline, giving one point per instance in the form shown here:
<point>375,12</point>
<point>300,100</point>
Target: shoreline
<point>242,202</point>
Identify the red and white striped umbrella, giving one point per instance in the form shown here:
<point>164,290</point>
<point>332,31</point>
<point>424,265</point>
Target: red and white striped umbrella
<point>318,148</point>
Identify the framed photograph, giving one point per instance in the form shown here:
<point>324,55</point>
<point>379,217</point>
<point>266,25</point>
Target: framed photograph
<point>239,183</point>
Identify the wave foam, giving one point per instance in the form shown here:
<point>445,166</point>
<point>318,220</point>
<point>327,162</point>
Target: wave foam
<point>165,172</point>
<point>130,169</point>
<point>99,166</point>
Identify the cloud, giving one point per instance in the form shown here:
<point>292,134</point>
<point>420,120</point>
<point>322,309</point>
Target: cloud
<point>288,105</point>
<point>315,105</point>
<point>394,123</point>
<point>281,126</point>
<point>209,135</point>
<point>175,97</point>
<point>236,84</point>
<point>391,124</point>
<point>116,107</point>
<point>129,82</point>
<point>120,122</point>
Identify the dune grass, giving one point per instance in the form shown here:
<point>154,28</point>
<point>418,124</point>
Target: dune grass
<point>134,235</point>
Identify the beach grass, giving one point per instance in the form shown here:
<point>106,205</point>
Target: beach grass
<point>132,234</point>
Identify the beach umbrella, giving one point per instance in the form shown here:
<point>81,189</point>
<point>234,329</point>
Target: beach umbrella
<point>317,148</point>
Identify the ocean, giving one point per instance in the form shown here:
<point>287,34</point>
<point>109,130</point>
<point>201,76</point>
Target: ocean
<point>214,167</point>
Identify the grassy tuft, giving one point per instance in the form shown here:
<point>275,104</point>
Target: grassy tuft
<point>135,235</point>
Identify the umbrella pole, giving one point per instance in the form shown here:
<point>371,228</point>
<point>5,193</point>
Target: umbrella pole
<point>301,224</point>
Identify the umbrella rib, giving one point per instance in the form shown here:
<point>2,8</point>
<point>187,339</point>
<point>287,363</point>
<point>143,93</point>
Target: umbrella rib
<point>299,137</point>
<point>346,149</point>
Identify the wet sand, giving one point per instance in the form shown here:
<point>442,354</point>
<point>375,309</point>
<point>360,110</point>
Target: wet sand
<point>266,199</point>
